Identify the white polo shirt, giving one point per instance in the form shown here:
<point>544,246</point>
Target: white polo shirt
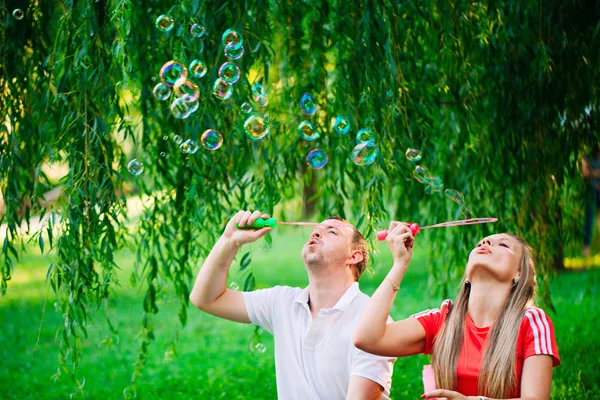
<point>315,359</point>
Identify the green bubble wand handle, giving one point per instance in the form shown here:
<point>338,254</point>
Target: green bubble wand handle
<point>272,223</point>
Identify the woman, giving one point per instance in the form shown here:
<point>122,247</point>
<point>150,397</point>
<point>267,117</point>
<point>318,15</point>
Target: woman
<point>490,341</point>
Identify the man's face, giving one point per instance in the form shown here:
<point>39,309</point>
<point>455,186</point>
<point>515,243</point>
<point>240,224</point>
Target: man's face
<point>329,244</point>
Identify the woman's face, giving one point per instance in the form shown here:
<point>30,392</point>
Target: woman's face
<point>495,257</point>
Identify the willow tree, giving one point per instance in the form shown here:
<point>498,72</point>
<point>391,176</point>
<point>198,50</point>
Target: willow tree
<point>500,98</point>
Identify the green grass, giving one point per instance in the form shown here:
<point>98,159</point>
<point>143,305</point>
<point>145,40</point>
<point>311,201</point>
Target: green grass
<point>213,359</point>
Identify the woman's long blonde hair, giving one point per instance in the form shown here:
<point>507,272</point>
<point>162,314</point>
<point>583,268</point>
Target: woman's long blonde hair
<point>497,376</point>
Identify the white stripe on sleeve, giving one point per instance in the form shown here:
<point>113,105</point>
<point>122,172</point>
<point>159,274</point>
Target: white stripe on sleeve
<point>536,339</point>
<point>544,320</point>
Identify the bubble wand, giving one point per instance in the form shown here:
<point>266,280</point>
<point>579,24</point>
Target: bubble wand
<point>415,228</point>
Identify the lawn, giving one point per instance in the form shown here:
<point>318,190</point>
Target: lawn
<point>213,357</point>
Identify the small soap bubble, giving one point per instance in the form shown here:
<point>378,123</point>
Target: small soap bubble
<point>18,14</point>
<point>177,139</point>
<point>246,108</point>
<point>232,52</point>
<point>316,159</point>
<point>164,23</point>
<point>182,109</point>
<point>455,196</point>
<point>187,90</point>
<point>262,101</point>
<point>198,68</point>
<point>436,183</point>
<point>192,146</point>
<point>185,147</point>
<point>161,91</point>
<point>261,348</point>
<point>234,286</point>
<point>165,137</point>
<point>413,155</point>
<point>422,174</point>
<point>222,90</point>
<point>364,136</point>
<point>365,153</point>
<point>429,189</point>
<point>211,139</point>
<point>308,131</point>
<point>172,71</point>
<point>308,105</point>
<point>256,127</point>
<point>229,72</point>
<point>341,125</point>
<point>163,154</point>
<point>135,167</point>
<point>258,89</point>
<point>197,30</point>
<point>232,38</point>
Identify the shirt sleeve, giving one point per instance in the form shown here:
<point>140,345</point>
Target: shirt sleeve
<point>537,333</point>
<point>259,306</point>
<point>378,369</point>
<point>432,322</point>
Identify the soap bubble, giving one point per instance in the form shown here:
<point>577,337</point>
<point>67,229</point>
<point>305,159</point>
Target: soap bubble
<point>188,147</point>
<point>436,183</point>
<point>422,174</point>
<point>187,90</point>
<point>455,196</point>
<point>246,108</point>
<point>164,23</point>
<point>197,30</point>
<point>308,131</point>
<point>413,155</point>
<point>232,52</point>
<point>211,139</point>
<point>256,127</point>
<point>172,71</point>
<point>308,105</point>
<point>232,38</point>
<point>261,348</point>
<point>182,109</point>
<point>234,286</point>
<point>161,91</point>
<point>165,137</point>
<point>365,153</point>
<point>135,167</point>
<point>316,159</point>
<point>198,68</point>
<point>222,90</point>
<point>429,189</point>
<point>262,101</point>
<point>18,14</point>
<point>177,139</point>
<point>258,89</point>
<point>364,136</point>
<point>163,154</point>
<point>341,125</point>
<point>229,72</point>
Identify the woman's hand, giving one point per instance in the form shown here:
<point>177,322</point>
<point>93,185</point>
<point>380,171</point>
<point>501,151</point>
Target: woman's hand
<point>448,394</point>
<point>400,240</point>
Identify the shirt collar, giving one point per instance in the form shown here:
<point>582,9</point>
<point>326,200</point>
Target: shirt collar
<point>342,304</point>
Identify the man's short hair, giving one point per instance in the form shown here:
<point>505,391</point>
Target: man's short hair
<point>358,243</point>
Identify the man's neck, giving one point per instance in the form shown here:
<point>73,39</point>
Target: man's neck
<point>326,291</point>
<point>486,301</point>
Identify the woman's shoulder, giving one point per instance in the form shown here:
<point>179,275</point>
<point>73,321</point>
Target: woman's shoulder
<point>443,310</point>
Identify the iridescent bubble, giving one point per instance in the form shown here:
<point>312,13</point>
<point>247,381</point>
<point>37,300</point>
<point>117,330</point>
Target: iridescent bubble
<point>172,71</point>
<point>316,159</point>
<point>222,90</point>
<point>164,23</point>
<point>258,90</point>
<point>261,348</point>
<point>161,91</point>
<point>185,147</point>
<point>18,14</point>
<point>197,30</point>
<point>229,72</point>
<point>234,286</point>
<point>163,154</point>
<point>422,174</point>
<point>365,135</point>
<point>429,189</point>
<point>232,52</point>
<point>413,155</point>
<point>177,139</point>
<point>182,109</point>
<point>187,90</point>
<point>365,153</point>
<point>211,139</point>
<point>193,146</point>
<point>262,101</point>
<point>198,68</point>
<point>455,196</point>
<point>436,183</point>
<point>135,167</point>
<point>308,131</point>
<point>246,108</point>
<point>308,105</point>
<point>256,127</point>
<point>341,125</point>
<point>165,137</point>
<point>232,38</point>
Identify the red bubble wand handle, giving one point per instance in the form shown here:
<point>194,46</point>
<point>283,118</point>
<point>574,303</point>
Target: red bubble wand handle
<point>415,228</point>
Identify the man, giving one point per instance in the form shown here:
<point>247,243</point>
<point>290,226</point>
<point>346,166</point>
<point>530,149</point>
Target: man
<point>313,327</point>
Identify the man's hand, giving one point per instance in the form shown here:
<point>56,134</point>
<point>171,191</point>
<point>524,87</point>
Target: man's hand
<point>238,236</point>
